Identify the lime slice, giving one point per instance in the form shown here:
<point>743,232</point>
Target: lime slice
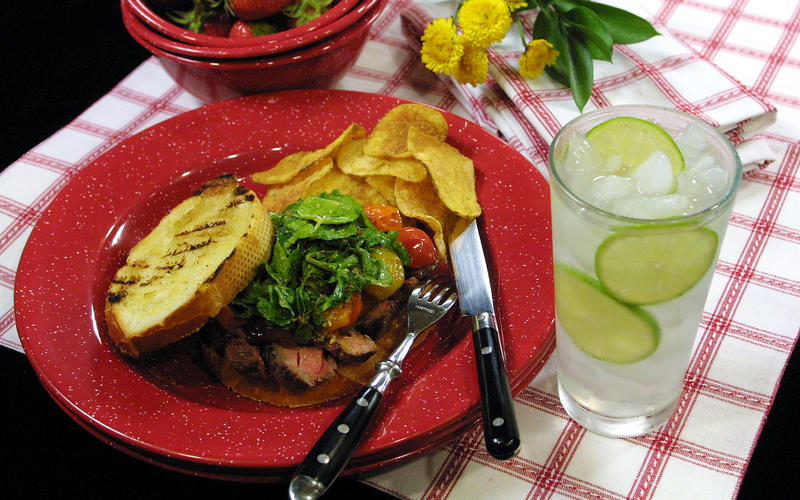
<point>634,140</point>
<point>600,325</point>
<point>647,266</point>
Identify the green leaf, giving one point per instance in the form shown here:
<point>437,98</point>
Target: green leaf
<point>327,210</point>
<point>321,256</point>
<point>623,26</point>
<point>581,70</point>
<point>592,30</point>
<point>546,26</point>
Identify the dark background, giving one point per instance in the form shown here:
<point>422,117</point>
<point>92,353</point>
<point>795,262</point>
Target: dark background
<point>62,56</point>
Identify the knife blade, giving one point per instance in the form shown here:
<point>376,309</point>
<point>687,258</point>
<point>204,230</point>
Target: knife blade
<point>475,300</point>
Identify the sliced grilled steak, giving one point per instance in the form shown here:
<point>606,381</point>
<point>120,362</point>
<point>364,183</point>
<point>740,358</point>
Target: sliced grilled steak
<point>303,366</point>
<point>351,346</point>
<point>376,321</point>
<point>245,358</point>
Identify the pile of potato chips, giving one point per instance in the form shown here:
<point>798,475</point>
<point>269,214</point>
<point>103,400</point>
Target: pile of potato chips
<point>404,162</point>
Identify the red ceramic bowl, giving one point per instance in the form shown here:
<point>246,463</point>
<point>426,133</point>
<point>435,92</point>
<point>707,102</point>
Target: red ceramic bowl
<point>270,47</point>
<point>143,11</point>
<point>316,66</point>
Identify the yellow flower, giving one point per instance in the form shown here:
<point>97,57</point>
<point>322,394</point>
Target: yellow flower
<point>516,4</point>
<point>441,50</point>
<point>484,22</point>
<point>473,67</point>
<point>538,54</point>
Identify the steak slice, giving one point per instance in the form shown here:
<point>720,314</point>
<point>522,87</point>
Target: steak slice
<point>351,346</point>
<point>302,366</point>
<point>245,358</point>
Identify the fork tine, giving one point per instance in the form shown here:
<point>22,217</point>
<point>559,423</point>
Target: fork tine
<point>432,300</point>
<point>430,288</point>
<point>442,292</point>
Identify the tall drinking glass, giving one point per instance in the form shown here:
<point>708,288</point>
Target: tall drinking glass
<point>639,213</point>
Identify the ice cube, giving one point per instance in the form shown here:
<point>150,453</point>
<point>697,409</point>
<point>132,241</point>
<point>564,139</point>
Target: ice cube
<point>628,206</point>
<point>702,162</point>
<point>656,207</point>
<point>654,176</point>
<point>715,178</point>
<point>607,188</point>
<point>692,142</point>
<point>612,165</point>
<point>703,187</point>
<point>581,164</point>
<point>686,183</point>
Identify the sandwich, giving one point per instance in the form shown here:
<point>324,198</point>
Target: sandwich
<point>328,305</point>
<point>190,266</point>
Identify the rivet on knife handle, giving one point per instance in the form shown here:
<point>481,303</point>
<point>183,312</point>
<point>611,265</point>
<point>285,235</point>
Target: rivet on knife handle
<point>499,418</point>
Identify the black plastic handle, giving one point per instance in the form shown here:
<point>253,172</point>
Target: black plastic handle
<point>499,418</point>
<point>332,451</point>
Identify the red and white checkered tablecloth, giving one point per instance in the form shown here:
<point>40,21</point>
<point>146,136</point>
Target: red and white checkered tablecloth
<point>741,58</point>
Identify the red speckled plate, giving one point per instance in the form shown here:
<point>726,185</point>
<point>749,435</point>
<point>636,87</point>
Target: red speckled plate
<point>167,409</point>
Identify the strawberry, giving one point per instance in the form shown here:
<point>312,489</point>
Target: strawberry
<point>242,29</point>
<point>217,26</point>
<point>249,10</point>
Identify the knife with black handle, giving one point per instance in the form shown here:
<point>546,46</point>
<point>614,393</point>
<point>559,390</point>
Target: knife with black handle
<point>475,300</point>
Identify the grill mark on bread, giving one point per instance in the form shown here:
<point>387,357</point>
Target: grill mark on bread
<point>189,247</point>
<point>238,201</point>
<point>152,278</point>
<point>115,297</point>
<point>125,281</point>
<point>172,266</point>
<point>202,227</point>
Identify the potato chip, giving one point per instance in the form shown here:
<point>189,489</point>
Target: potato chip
<point>419,200</point>
<point>281,195</point>
<point>385,185</point>
<point>352,160</point>
<point>452,173</point>
<point>388,138</point>
<point>352,185</point>
<point>293,164</point>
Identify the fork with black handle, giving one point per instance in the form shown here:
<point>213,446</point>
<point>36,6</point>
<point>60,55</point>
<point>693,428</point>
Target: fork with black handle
<point>427,303</point>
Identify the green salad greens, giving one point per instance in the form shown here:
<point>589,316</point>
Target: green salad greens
<point>321,256</point>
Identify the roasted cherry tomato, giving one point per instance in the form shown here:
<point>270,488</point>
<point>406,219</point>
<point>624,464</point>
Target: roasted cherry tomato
<point>421,250</point>
<point>385,217</point>
<point>343,315</point>
<point>395,267</point>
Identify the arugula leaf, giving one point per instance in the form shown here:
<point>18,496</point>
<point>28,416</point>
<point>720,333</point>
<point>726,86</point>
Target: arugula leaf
<point>320,258</point>
<point>327,210</point>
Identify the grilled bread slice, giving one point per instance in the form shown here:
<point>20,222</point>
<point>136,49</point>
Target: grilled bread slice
<point>184,271</point>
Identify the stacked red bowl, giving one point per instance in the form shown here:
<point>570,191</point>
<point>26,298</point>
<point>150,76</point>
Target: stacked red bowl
<point>214,66</point>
